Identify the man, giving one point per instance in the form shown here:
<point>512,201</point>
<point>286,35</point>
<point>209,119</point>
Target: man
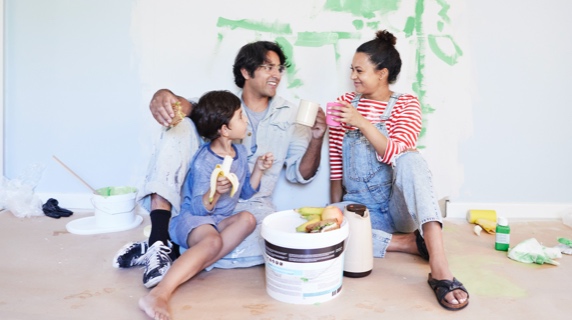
<point>257,69</point>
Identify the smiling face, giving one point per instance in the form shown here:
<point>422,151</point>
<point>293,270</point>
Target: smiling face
<point>367,80</point>
<point>264,82</point>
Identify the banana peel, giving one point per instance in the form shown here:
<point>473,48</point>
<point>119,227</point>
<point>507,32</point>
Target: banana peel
<point>487,225</point>
<point>312,217</point>
<point>223,171</point>
<point>306,211</point>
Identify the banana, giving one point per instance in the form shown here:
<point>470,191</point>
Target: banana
<point>309,210</point>
<point>487,225</point>
<point>312,217</point>
<point>224,171</point>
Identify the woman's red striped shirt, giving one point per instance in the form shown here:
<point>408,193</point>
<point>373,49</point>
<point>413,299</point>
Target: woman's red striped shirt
<point>403,127</point>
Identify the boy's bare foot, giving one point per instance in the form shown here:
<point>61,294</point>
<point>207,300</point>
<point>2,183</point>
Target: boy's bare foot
<point>156,307</point>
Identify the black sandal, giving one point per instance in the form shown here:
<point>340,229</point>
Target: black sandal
<point>421,247</point>
<point>442,287</point>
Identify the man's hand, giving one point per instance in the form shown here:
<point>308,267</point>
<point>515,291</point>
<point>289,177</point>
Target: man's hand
<point>161,106</point>
<point>319,128</point>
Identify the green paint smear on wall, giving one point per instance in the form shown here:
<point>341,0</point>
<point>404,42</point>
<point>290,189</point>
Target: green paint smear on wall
<point>444,9</point>
<point>358,24</point>
<point>413,27</point>
<point>275,27</point>
<point>316,39</point>
<point>319,39</point>
<point>450,59</point>
<point>409,27</point>
<point>374,25</point>
<point>362,8</point>
<point>288,50</point>
<point>419,86</point>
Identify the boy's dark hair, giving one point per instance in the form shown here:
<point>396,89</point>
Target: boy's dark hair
<point>252,55</point>
<point>382,53</point>
<point>214,109</point>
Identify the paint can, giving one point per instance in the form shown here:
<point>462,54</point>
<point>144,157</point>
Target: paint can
<point>302,268</point>
<point>114,211</point>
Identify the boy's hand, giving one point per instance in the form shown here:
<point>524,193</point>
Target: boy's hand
<point>265,162</point>
<point>223,185</point>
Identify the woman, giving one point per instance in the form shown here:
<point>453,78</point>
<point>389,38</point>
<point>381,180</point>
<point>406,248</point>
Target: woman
<point>374,162</point>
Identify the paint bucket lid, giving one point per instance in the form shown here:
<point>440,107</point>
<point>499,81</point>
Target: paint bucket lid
<point>89,225</point>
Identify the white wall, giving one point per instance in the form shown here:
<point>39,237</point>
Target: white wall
<point>520,148</point>
<point>80,74</point>
<point>1,86</point>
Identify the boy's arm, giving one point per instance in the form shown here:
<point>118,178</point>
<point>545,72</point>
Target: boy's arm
<point>262,163</point>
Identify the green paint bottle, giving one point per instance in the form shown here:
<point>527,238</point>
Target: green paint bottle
<point>502,234</point>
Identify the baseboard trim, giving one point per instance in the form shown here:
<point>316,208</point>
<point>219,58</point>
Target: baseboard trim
<point>454,210</point>
<point>510,210</point>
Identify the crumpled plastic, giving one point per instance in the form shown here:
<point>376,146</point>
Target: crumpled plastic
<point>564,245</point>
<point>564,248</point>
<point>17,195</point>
<point>531,251</point>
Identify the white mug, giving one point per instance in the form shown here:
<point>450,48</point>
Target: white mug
<point>307,112</point>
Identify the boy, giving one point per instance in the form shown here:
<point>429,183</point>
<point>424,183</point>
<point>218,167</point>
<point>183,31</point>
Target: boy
<point>207,226</point>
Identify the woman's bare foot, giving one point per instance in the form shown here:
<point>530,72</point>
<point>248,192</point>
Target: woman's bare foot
<point>403,243</point>
<point>156,307</point>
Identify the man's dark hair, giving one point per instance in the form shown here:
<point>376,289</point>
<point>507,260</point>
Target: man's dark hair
<point>251,56</point>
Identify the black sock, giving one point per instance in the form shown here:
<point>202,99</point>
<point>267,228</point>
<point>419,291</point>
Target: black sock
<point>160,230</point>
<point>159,226</point>
<point>175,253</point>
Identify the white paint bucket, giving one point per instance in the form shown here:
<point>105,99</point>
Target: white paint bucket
<point>114,211</point>
<point>114,206</point>
<point>302,268</point>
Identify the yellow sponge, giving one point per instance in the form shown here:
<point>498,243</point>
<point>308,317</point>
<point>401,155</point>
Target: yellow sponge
<point>473,215</point>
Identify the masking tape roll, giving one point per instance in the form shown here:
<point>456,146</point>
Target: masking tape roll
<point>473,215</point>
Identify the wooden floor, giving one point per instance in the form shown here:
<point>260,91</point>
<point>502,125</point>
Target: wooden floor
<point>48,273</point>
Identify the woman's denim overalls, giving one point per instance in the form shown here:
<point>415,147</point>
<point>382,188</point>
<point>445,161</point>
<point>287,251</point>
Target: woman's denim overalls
<point>400,197</point>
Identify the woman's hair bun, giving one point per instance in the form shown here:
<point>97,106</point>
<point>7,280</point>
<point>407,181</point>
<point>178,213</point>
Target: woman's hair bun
<point>386,36</point>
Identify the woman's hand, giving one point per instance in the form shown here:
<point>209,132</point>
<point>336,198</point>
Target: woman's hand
<point>348,114</point>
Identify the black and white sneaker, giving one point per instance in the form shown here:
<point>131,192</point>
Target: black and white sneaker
<point>130,255</point>
<point>157,262</point>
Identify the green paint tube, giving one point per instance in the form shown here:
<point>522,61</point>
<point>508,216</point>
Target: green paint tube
<point>502,234</point>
